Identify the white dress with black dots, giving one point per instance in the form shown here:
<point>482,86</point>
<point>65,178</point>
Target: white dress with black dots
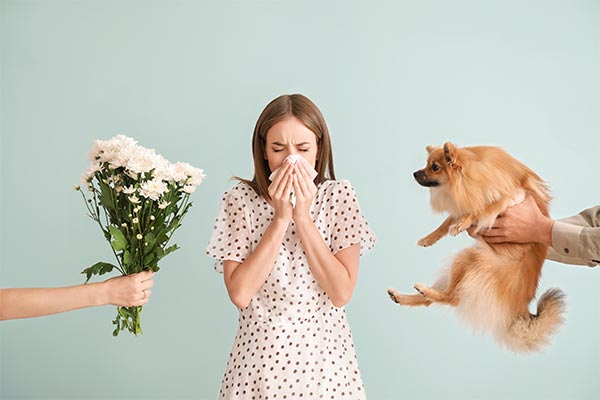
<point>291,342</point>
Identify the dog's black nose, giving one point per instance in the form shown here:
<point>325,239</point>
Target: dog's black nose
<point>418,173</point>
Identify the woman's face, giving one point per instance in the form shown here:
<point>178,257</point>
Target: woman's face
<point>290,136</point>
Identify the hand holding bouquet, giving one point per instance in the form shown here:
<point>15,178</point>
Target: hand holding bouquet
<point>138,198</point>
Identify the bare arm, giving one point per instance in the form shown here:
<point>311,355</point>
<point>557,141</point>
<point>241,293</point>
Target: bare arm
<point>336,274</point>
<point>244,279</point>
<point>132,290</point>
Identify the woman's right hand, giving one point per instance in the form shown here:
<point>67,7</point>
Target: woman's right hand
<point>280,190</point>
<point>128,291</point>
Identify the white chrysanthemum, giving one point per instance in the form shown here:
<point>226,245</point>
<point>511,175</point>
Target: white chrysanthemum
<point>140,161</point>
<point>196,176</point>
<point>120,159</point>
<point>164,205</point>
<point>153,189</point>
<point>184,173</point>
<point>134,199</point>
<point>114,151</point>
<point>87,176</point>
<point>129,190</point>
<point>178,173</point>
<point>96,150</point>
<point>188,189</point>
<point>161,165</point>
<point>137,161</point>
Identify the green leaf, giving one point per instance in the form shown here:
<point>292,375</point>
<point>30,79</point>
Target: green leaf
<point>127,258</point>
<point>119,242</point>
<point>149,257</point>
<point>100,268</point>
<point>170,249</point>
<point>150,239</point>
<point>106,197</point>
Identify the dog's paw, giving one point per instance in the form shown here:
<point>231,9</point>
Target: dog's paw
<point>422,289</point>
<point>457,228</point>
<point>426,241</point>
<point>392,293</point>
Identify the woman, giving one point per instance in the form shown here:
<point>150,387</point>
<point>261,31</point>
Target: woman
<point>289,251</point>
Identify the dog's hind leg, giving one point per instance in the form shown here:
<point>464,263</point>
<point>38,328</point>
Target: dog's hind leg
<point>446,289</point>
<point>445,297</point>
<point>408,299</point>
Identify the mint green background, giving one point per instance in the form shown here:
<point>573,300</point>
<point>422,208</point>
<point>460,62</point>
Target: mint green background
<point>190,78</point>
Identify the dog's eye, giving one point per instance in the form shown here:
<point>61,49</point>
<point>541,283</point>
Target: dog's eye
<point>435,167</point>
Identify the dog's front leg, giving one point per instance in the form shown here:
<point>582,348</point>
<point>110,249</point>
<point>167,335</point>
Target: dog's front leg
<point>436,235</point>
<point>462,224</point>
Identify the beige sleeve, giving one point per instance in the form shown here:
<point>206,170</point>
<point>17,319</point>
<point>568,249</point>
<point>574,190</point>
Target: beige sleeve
<point>576,240</point>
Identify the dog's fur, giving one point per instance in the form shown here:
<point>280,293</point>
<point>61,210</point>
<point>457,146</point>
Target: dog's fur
<point>491,285</point>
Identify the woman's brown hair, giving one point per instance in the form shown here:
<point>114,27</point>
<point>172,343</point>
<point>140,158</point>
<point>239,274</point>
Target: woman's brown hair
<point>285,106</point>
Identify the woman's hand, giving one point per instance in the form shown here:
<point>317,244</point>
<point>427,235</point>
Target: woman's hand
<point>305,190</point>
<point>131,290</point>
<point>280,190</point>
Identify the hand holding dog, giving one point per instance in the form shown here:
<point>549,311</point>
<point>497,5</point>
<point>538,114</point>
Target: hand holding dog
<point>522,223</point>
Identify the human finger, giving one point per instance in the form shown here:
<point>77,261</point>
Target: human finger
<point>296,185</point>
<point>144,294</point>
<point>147,284</point>
<point>302,182</point>
<point>304,171</point>
<point>283,170</point>
<point>287,190</point>
<point>494,239</point>
<point>473,232</point>
<point>281,178</point>
<point>142,298</point>
<point>144,275</point>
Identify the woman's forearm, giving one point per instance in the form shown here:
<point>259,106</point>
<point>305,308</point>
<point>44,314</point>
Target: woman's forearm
<point>337,278</point>
<point>36,302</point>
<point>244,280</point>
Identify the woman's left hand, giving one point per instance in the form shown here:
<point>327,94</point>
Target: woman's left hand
<point>305,191</point>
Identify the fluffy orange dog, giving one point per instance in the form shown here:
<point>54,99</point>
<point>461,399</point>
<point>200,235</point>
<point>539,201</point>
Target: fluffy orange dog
<point>491,285</point>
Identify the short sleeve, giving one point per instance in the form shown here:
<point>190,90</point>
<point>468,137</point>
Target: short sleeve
<point>230,239</point>
<point>348,224</point>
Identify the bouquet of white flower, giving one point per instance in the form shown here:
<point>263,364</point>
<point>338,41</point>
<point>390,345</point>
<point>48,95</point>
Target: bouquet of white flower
<point>143,198</point>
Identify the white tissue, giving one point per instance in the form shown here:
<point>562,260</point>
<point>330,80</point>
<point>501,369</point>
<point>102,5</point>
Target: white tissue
<point>294,159</point>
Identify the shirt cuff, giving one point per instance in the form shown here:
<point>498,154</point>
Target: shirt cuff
<point>565,238</point>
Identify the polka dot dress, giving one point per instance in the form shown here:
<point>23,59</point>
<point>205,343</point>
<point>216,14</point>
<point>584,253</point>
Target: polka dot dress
<point>291,342</point>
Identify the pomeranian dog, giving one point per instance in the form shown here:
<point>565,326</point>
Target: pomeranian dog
<point>491,285</point>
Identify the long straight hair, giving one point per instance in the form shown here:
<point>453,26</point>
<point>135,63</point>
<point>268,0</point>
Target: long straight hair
<point>286,106</point>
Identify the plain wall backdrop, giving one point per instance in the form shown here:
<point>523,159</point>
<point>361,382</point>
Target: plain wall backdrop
<point>189,78</point>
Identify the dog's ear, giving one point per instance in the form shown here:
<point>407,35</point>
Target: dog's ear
<point>451,155</point>
<point>430,149</point>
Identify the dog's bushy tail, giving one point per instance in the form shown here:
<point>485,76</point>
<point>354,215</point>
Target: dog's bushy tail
<point>530,334</point>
